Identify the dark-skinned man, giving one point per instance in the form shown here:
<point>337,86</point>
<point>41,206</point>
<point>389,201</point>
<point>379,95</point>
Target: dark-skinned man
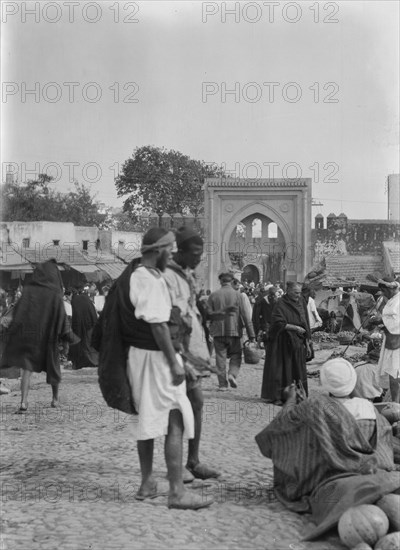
<point>156,373</point>
<point>180,279</point>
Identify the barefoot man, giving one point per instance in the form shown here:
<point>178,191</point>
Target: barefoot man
<point>182,286</point>
<point>156,373</point>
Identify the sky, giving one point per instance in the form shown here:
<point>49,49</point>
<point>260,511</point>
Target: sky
<point>265,89</point>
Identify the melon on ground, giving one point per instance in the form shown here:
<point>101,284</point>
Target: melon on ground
<point>389,542</point>
<point>364,523</point>
<point>390,504</point>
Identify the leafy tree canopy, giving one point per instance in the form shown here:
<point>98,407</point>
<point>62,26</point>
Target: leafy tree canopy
<point>36,201</point>
<point>122,221</point>
<point>163,181</point>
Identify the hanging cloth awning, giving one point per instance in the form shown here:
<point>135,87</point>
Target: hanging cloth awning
<point>91,272</point>
<point>24,268</point>
<point>113,270</point>
<point>85,268</point>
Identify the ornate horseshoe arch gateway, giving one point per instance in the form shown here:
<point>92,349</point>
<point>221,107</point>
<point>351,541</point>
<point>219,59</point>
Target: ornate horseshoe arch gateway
<point>264,223</point>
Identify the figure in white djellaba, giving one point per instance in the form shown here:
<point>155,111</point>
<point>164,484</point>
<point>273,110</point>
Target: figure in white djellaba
<point>389,360</point>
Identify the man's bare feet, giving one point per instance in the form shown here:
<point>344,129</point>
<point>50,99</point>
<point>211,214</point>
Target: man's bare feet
<point>150,489</point>
<point>23,408</point>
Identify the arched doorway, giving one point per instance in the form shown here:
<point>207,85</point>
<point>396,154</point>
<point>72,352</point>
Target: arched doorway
<point>286,203</point>
<point>257,241</point>
<point>250,274</point>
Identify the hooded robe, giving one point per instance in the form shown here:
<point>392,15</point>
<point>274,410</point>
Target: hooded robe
<point>39,324</point>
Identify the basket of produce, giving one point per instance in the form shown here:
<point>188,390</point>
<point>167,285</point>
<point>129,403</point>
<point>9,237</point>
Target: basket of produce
<point>324,337</point>
<point>345,337</point>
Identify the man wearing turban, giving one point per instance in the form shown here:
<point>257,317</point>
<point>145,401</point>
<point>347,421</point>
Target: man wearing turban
<point>389,360</point>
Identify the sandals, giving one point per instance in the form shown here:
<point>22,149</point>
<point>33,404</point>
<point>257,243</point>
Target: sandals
<point>190,501</point>
<point>23,409</point>
<point>202,471</point>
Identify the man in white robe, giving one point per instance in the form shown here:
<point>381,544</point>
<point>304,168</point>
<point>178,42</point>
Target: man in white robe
<point>389,360</point>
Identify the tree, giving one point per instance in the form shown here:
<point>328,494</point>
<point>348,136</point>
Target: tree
<point>36,201</point>
<point>81,208</point>
<point>122,221</point>
<point>163,181</point>
<point>25,202</point>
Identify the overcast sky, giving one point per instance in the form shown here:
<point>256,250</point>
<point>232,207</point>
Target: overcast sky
<point>157,73</point>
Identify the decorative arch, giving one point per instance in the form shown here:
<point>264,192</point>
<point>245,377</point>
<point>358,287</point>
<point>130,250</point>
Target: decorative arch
<point>285,202</point>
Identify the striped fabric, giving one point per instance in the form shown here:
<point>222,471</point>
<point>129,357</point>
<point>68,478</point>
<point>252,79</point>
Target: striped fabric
<point>317,439</point>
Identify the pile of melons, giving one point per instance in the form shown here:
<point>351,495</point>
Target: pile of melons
<point>372,526</point>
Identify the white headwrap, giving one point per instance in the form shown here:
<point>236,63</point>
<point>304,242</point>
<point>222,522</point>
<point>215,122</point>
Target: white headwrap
<point>165,240</point>
<point>338,377</point>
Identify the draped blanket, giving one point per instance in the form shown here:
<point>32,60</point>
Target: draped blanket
<point>111,339</point>
<point>318,442</point>
<point>116,330</point>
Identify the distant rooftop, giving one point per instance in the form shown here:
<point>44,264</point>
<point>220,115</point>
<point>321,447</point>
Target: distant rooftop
<point>352,268</point>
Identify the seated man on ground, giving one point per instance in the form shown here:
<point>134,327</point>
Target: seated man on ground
<point>368,383</point>
<point>330,451</point>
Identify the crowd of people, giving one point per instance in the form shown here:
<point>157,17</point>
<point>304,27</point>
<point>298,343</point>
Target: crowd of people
<point>152,338</point>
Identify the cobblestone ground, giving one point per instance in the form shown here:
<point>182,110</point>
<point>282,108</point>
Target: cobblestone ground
<point>69,476</point>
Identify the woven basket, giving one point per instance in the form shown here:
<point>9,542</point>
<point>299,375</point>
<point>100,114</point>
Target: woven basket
<point>252,354</point>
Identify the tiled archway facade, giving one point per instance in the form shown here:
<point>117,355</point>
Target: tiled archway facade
<point>228,201</point>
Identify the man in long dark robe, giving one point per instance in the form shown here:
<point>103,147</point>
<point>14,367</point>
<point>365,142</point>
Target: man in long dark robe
<point>288,345</point>
<point>84,318</point>
<point>39,324</point>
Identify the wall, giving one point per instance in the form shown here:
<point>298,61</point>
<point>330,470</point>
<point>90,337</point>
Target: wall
<point>40,233</point>
<point>83,233</point>
<point>131,240</point>
<point>45,232</point>
<point>352,237</point>
<point>105,239</point>
<point>4,233</point>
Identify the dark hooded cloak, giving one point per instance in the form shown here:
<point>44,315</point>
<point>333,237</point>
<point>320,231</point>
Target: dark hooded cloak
<point>39,324</point>
<point>84,318</point>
